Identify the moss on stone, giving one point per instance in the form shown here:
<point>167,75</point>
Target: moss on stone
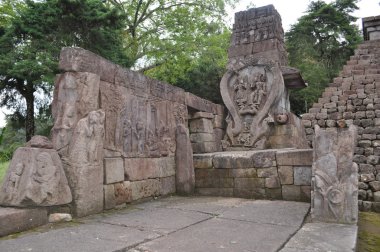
<point>369,232</point>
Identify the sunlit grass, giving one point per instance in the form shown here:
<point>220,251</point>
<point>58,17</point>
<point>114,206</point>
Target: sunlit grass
<point>3,170</point>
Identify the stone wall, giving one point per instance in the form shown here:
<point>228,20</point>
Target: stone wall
<point>354,98</point>
<point>138,116</point>
<point>267,174</point>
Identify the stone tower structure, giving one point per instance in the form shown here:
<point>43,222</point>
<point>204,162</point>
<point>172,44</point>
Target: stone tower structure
<point>255,86</point>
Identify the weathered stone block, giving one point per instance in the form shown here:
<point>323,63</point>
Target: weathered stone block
<point>205,147</point>
<point>113,170</point>
<point>244,173</point>
<point>202,161</point>
<point>109,196</point>
<point>272,182</point>
<point>285,174</point>
<point>145,188</point>
<point>35,177</point>
<point>374,185</point>
<point>291,192</point>
<point>249,183</point>
<point>123,192</point>
<point>201,114</point>
<point>267,172</point>
<point>14,220</point>
<point>273,193</point>
<point>376,196</point>
<point>294,157</point>
<point>264,159</point>
<point>367,177</point>
<point>145,168</point>
<point>202,137</point>
<point>362,194</point>
<point>302,175</point>
<point>306,193</point>
<point>201,125</point>
<point>167,185</point>
<point>233,160</point>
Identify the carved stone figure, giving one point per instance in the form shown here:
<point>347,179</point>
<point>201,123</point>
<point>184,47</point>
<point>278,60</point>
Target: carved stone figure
<point>252,92</point>
<point>84,148</point>
<point>35,178</point>
<point>139,133</point>
<point>335,184</point>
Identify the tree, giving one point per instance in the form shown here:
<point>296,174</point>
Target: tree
<point>31,39</point>
<point>158,31</point>
<point>319,44</point>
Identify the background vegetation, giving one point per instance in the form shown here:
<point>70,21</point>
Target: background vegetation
<point>183,42</point>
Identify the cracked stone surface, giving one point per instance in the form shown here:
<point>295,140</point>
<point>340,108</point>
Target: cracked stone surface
<point>174,224</point>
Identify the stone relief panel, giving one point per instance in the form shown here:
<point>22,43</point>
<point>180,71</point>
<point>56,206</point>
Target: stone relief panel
<point>334,176</point>
<point>252,91</point>
<point>85,147</point>
<point>146,127</point>
<point>35,178</point>
<point>75,95</point>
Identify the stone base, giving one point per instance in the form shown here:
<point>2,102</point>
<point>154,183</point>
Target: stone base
<point>283,174</point>
<point>14,220</point>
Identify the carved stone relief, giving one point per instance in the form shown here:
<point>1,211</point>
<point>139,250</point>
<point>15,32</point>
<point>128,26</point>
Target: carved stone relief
<point>334,181</point>
<point>35,178</point>
<point>252,91</point>
<point>75,95</point>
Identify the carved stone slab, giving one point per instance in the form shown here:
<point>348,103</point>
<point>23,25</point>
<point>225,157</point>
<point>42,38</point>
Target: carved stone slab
<point>35,178</point>
<point>84,164</point>
<point>253,92</point>
<point>75,95</point>
<point>334,176</point>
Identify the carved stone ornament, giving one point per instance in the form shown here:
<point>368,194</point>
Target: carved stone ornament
<point>252,90</point>
<point>35,178</point>
<point>335,176</point>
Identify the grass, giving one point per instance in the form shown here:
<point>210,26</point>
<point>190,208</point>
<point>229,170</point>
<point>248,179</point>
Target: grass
<point>3,170</point>
<point>369,232</point>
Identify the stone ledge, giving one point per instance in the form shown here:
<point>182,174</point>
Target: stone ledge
<point>14,220</point>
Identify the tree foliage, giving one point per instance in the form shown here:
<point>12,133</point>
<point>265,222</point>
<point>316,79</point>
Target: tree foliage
<point>159,31</point>
<point>31,36</point>
<point>319,44</point>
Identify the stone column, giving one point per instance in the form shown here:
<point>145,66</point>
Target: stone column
<point>334,176</point>
<point>185,178</point>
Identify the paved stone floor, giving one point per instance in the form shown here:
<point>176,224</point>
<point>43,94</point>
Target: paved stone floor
<point>177,224</point>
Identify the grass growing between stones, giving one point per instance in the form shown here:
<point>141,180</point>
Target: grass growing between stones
<point>369,232</point>
<point>3,170</point>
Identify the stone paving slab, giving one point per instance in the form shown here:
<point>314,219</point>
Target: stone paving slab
<point>83,237</point>
<point>222,235</point>
<point>173,224</point>
<point>321,237</point>
<point>286,213</point>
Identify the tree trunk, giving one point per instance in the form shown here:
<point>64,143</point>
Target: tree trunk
<point>29,120</point>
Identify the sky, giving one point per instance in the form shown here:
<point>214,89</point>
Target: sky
<point>290,11</point>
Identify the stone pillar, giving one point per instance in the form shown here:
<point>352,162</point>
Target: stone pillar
<point>185,178</point>
<point>334,176</point>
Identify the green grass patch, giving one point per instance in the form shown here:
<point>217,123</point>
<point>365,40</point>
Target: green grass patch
<point>369,232</point>
<point>3,170</point>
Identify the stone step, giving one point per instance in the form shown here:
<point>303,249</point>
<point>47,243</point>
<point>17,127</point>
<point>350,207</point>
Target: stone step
<point>14,220</point>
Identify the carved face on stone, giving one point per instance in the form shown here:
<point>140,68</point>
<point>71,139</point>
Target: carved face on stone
<point>19,169</point>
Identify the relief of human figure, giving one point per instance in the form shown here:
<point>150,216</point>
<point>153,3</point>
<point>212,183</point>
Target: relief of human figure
<point>44,181</point>
<point>14,181</point>
<point>127,133</point>
<point>139,133</point>
<point>241,92</point>
<point>88,134</point>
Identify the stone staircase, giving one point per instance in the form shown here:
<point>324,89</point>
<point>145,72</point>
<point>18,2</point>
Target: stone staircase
<point>354,98</point>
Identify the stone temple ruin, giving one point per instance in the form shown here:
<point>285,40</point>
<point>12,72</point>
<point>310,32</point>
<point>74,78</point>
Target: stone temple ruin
<point>120,136</point>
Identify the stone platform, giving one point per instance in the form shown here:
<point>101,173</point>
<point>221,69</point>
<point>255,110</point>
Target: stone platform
<point>185,224</point>
<point>281,174</point>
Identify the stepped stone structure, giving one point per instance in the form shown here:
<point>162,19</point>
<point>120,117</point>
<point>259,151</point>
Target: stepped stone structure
<point>354,98</point>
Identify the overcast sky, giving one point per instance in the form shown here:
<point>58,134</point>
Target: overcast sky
<point>290,11</point>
